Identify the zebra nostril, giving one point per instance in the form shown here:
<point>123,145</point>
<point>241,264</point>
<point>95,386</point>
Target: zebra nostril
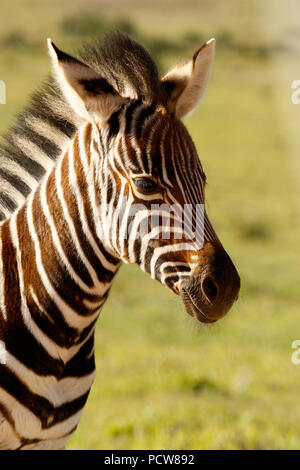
<point>209,289</point>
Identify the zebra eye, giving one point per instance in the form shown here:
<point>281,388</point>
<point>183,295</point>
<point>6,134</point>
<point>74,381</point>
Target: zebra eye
<point>145,185</point>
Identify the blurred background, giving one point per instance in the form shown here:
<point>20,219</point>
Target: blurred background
<point>163,381</point>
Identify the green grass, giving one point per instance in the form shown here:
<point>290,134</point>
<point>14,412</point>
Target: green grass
<point>163,381</point>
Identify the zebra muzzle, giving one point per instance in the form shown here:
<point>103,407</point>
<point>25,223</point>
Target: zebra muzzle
<point>213,287</point>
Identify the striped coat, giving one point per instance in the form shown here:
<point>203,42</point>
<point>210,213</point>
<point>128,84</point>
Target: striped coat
<point>99,154</point>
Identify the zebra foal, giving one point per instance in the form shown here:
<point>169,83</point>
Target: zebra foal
<point>80,187</point>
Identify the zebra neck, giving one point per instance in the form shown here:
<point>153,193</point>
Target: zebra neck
<point>64,272</point>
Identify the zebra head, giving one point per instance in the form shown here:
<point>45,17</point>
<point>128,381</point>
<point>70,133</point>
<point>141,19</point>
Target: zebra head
<point>148,182</point>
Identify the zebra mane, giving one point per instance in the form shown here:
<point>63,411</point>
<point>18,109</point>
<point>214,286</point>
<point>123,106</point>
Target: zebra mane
<point>32,144</point>
<point>126,65</point>
<point>44,128</point>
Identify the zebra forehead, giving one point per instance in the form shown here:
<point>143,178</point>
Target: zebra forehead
<point>162,129</point>
<point>156,139</point>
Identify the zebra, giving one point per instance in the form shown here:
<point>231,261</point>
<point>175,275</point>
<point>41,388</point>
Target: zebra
<point>104,134</point>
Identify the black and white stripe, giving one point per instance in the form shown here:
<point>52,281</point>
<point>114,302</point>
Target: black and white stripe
<point>69,181</point>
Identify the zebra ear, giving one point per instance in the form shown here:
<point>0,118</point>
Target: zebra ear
<point>185,84</point>
<point>89,94</point>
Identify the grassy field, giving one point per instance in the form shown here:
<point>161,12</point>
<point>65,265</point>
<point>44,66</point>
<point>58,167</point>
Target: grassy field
<point>163,381</point>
